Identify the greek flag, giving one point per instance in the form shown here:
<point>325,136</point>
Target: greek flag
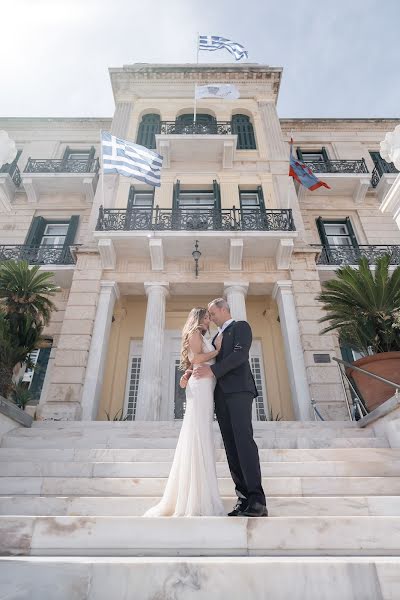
<point>131,160</point>
<point>215,42</point>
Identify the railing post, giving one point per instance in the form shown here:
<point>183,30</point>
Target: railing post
<point>156,217</point>
<point>100,219</point>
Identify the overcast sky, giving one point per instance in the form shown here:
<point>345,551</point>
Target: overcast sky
<point>340,58</point>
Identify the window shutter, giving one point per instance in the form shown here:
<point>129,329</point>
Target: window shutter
<point>321,231</point>
<point>217,195</point>
<point>131,197</point>
<point>261,197</point>
<point>66,153</point>
<point>351,233</point>
<point>148,128</point>
<point>39,373</point>
<point>324,154</point>
<point>36,231</point>
<point>175,200</point>
<point>299,154</point>
<point>243,128</point>
<point>71,233</point>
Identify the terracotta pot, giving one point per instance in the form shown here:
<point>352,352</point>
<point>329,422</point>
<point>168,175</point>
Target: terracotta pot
<point>374,392</point>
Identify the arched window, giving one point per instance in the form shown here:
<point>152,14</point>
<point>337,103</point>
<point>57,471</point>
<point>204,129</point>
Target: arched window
<point>148,128</point>
<point>206,124</point>
<point>242,127</point>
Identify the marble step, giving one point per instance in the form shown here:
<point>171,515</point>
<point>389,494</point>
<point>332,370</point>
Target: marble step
<point>166,454</point>
<point>52,442</point>
<point>200,536</point>
<point>131,506</point>
<point>200,578</point>
<point>154,486</point>
<point>162,469</point>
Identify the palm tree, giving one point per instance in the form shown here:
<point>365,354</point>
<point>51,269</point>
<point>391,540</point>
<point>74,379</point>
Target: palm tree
<point>25,291</point>
<point>25,309</point>
<point>363,306</point>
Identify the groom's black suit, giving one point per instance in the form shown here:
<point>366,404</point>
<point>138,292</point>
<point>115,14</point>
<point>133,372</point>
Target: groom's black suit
<point>234,394</point>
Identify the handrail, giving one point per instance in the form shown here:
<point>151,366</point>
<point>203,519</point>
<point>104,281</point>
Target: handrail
<point>351,366</point>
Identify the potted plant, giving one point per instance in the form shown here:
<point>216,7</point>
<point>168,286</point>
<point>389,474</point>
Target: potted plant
<point>363,307</point>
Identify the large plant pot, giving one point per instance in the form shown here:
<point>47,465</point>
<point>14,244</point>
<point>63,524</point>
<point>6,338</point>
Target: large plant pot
<point>373,391</point>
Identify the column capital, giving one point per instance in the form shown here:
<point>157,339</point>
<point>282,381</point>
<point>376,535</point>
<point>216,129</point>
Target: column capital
<point>154,286</point>
<point>284,286</point>
<point>110,286</point>
<point>240,287</point>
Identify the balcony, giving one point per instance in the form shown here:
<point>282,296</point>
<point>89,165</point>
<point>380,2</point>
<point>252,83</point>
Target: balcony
<point>233,231</point>
<point>10,180</point>
<point>203,142</point>
<point>48,176</point>
<point>344,177</point>
<point>349,255</point>
<point>383,177</point>
<point>57,259</point>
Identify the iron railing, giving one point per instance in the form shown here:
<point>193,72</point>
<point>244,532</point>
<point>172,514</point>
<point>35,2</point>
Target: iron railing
<point>216,128</point>
<point>350,255</point>
<point>13,171</point>
<point>381,168</point>
<point>194,219</point>
<point>47,165</point>
<point>38,255</point>
<point>338,166</point>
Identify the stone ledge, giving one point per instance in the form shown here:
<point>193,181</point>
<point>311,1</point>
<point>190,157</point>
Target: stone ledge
<point>381,411</point>
<point>12,411</point>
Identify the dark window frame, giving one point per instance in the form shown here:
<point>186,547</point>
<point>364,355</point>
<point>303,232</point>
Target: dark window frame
<point>302,154</point>
<point>321,221</point>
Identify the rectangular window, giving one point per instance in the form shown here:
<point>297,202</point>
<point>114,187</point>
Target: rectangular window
<point>196,200</point>
<point>54,234</point>
<point>317,155</point>
<point>142,199</point>
<point>337,234</point>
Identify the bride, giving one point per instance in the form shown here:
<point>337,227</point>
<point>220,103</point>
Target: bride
<point>192,486</point>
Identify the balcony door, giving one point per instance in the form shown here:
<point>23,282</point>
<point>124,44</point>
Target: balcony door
<point>205,124</point>
<point>139,211</point>
<point>197,210</point>
<point>339,242</point>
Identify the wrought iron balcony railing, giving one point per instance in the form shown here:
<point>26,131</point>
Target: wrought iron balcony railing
<point>13,171</point>
<point>47,165</point>
<point>381,168</point>
<point>350,255</point>
<point>338,166</point>
<point>38,255</point>
<point>177,128</point>
<point>195,219</point>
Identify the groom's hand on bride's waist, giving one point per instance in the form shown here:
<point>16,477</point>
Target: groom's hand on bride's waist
<point>202,371</point>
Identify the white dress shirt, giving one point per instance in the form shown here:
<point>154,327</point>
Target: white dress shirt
<point>225,325</point>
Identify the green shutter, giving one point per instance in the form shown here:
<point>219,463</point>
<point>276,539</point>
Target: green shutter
<point>131,197</point>
<point>351,233</point>
<point>243,128</point>
<point>325,154</point>
<point>175,199</point>
<point>321,231</point>
<point>261,197</point>
<point>39,373</point>
<point>217,195</point>
<point>71,233</point>
<point>148,128</point>
<point>36,231</point>
<point>299,154</point>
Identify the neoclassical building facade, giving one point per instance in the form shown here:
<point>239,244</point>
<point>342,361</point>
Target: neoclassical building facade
<point>122,252</point>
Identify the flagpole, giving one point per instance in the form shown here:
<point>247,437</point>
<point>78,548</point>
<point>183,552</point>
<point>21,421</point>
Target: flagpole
<point>102,168</point>
<point>195,85</point>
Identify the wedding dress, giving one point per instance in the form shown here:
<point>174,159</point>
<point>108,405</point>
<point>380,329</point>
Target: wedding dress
<point>192,486</point>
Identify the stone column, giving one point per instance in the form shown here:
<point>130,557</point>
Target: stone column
<point>98,350</point>
<point>236,296</point>
<point>276,147</point>
<point>283,294</point>
<point>149,391</point>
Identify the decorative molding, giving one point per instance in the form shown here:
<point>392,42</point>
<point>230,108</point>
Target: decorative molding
<point>235,254</point>
<point>361,190</point>
<point>107,254</point>
<point>284,253</point>
<point>156,254</point>
<point>30,189</point>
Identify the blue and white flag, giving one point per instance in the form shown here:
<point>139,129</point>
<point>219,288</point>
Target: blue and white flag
<point>129,159</point>
<point>215,42</point>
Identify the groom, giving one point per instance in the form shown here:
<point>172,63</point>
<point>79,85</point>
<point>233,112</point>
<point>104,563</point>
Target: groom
<point>234,394</point>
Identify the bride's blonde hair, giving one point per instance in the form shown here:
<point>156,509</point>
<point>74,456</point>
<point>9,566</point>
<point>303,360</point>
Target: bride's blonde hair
<point>193,323</point>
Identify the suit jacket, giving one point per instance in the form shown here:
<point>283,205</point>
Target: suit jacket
<point>232,368</point>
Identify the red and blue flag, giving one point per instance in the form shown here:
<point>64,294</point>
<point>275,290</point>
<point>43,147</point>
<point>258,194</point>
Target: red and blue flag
<point>303,174</point>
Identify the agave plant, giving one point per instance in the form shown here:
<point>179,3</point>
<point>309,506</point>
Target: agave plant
<point>363,306</point>
<point>26,290</point>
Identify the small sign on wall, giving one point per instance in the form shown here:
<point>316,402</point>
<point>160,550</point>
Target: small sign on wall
<point>322,358</point>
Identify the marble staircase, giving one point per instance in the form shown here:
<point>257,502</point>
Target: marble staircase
<point>72,496</point>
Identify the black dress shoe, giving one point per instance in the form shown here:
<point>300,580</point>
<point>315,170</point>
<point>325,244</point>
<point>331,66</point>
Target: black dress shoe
<point>239,507</point>
<point>255,509</point>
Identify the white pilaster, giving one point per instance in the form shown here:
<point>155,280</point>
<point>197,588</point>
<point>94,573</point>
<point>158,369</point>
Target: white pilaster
<point>107,254</point>
<point>236,296</point>
<point>235,254</point>
<point>283,294</point>
<point>109,292</point>
<point>156,254</point>
<point>277,148</point>
<point>149,391</point>
<point>121,119</point>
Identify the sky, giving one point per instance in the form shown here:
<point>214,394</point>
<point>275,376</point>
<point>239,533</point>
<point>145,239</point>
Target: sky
<point>340,58</point>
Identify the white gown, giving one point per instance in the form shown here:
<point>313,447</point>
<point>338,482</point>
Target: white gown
<point>192,486</point>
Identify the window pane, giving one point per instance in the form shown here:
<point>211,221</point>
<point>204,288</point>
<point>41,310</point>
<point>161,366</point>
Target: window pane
<point>78,155</point>
<point>143,200</point>
<point>249,199</point>
<point>196,199</point>
<point>56,229</point>
<point>312,156</point>
<point>336,229</point>
<point>339,240</point>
